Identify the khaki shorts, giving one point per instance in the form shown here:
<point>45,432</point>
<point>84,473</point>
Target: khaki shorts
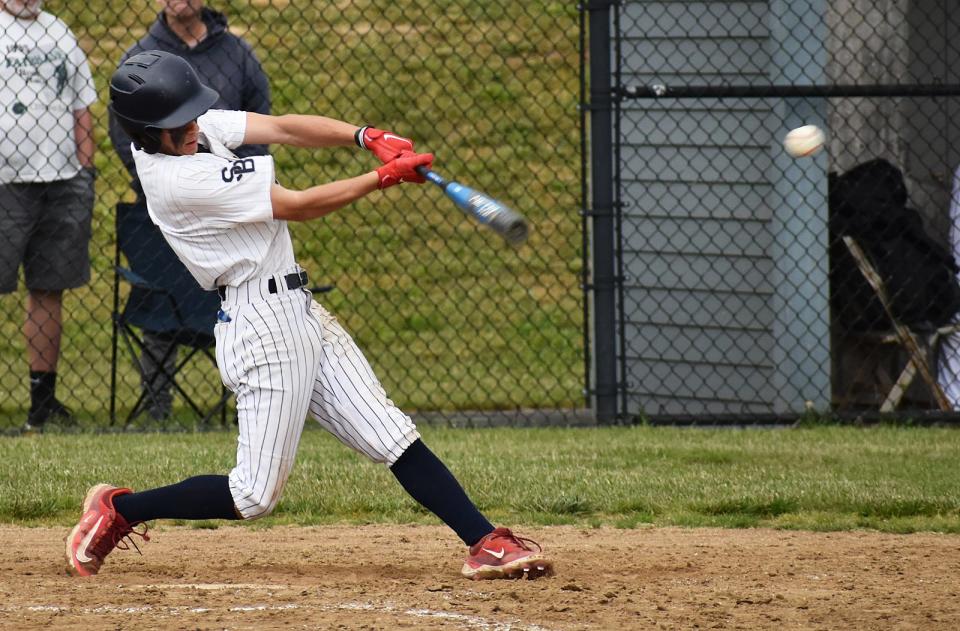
<point>46,227</point>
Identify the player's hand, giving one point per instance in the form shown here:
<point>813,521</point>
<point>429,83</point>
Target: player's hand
<point>403,169</point>
<point>386,145</point>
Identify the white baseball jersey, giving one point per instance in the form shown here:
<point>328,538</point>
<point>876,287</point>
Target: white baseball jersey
<point>281,353</point>
<point>214,209</point>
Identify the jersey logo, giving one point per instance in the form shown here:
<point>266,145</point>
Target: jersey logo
<point>237,170</point>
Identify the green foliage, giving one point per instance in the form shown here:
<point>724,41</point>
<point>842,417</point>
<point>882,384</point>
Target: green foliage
<point>449,317</point>
<point>819,478</point>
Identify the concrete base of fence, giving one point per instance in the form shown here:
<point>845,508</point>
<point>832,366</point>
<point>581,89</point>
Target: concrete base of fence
<point>508,418</point>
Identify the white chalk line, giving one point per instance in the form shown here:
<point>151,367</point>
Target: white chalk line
<point>466,621</point>
<point>474,622</point>
<point>209,586</point>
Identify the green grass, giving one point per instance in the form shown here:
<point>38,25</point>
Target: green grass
<point>823,478</point>
<point>448,316</point>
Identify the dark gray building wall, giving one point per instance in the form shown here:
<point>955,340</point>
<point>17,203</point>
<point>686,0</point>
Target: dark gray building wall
<point>696,236</point>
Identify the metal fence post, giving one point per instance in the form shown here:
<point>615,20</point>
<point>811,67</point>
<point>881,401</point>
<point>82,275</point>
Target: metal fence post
<point>602,204</point>
<point>801,327</point>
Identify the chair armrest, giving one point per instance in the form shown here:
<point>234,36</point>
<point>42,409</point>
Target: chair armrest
<point>134,279</point>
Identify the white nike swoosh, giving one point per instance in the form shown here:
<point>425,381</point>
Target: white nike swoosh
<point>388,136</point>
<point>499,555</point>
<point>82,550</point>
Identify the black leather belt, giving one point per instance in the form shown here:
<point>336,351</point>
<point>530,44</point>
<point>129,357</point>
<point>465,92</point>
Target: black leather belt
<point>293,281</point>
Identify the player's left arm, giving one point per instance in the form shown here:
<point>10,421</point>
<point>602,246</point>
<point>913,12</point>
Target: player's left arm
<point>299,130</point>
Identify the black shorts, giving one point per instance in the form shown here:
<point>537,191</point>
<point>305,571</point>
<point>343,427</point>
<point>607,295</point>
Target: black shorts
<point>46,227</point>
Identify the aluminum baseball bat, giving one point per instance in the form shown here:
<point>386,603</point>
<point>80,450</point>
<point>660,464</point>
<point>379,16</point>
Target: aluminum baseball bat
<point>500,218</point>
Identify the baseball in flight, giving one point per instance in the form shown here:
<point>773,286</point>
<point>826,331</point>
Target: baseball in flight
<point>803,141</point>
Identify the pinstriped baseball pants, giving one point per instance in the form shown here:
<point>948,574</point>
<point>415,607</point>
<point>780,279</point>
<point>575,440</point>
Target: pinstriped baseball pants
<point>284,355</point>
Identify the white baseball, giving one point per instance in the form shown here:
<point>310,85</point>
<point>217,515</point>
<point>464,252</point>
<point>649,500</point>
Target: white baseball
<point>803,141</point>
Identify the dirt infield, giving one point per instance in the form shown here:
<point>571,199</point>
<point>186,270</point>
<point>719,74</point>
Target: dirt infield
<point>389,577</point>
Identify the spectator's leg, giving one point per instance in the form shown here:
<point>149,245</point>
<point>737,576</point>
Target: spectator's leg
<point>42,329</point>
<point>19,209</point>
<point>56,258</point>
<point>158,361</point>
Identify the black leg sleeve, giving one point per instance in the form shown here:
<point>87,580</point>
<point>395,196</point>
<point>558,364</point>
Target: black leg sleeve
<point>428,481</point>
<point>200,497</point>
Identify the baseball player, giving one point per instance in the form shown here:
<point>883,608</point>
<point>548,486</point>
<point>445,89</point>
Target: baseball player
<point>281,353</point>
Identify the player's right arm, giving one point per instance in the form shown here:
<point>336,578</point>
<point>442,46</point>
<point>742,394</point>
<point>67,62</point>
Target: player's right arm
<point>321,200</point>
<point>318,201</point>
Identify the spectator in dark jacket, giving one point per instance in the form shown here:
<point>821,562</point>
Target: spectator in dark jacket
<point>224,62</point>
<point>227,64</point>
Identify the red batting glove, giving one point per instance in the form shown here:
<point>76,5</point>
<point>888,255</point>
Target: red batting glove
<point>386,145</point>
<point>402,169</point>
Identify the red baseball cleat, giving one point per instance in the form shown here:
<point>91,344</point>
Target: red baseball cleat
<point>501,554</point>
<point>101,529</point>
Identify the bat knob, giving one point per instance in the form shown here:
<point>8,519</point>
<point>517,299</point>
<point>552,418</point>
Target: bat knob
<point>516,232</point>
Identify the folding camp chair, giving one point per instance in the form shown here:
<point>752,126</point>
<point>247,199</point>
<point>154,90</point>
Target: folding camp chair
<point>919,346</point>
<point>165,300</point>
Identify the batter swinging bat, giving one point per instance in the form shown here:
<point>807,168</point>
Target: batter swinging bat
<point>505,221</point>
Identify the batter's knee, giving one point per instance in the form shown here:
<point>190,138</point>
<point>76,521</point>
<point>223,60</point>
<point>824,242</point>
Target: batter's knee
<point>258,509</point>
<point>257,498</point>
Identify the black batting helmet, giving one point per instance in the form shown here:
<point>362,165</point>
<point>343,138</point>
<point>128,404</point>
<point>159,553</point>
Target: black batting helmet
<point>156,90</point>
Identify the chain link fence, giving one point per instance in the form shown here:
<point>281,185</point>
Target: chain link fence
<point>719,282</point>
<point>741,284</point>
<point>459,327</point>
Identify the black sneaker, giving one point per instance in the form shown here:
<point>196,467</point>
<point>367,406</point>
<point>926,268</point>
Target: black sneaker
<point>54,412</point>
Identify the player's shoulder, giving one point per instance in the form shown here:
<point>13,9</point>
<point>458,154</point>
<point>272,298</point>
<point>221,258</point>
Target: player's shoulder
<point>221,118</point>
<point>184,178</point>
<point>226,127</point>
<point>199,166</point>
<point>163,166</point>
